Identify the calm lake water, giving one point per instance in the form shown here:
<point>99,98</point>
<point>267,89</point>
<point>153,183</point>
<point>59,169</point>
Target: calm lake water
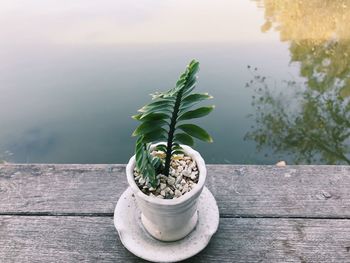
<point>73,72</point>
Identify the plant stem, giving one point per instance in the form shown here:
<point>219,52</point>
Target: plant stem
<point>171,133</point>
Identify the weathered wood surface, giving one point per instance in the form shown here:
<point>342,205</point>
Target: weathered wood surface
<point>63,213</point>
<point>259,191</point>
<point>94,239</point>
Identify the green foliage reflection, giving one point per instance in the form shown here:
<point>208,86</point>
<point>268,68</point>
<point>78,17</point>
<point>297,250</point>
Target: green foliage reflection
<point>311,126</point>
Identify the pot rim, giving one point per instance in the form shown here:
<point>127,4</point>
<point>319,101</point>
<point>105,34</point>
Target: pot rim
<point>154,200</point>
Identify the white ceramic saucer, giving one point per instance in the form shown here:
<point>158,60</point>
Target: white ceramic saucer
<point>127,221</point>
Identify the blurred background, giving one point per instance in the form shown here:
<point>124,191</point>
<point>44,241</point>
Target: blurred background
<point>73,72</point>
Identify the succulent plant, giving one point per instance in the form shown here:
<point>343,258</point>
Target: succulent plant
<point>165,119</point>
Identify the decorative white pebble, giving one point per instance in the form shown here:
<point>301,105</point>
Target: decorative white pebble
<point>281,164</point>
<point>142,181</point>
<point>171,180</point>
<point>186,173</point>
<point>178,179</point>
<point>177,193</point>
<point>171,192</point>
<point>183,163</point>
<point>185,188</point>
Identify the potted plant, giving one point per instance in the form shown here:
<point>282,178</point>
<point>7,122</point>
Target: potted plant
<point>166,198</point>
<point>166,175</point>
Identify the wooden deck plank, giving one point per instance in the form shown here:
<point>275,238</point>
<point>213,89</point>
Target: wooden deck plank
<point>94,239</point>
<point>258,191</point>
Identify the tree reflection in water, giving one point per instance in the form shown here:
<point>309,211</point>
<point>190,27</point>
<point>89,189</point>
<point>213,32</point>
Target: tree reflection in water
<point>311,120</point>
<point>313,127</point>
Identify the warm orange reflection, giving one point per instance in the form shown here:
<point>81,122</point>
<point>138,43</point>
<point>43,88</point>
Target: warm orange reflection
<point>312,20</point>
<point>319,36</point>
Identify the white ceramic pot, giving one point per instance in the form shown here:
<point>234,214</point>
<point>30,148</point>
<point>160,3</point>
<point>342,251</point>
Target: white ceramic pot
<point>169,219</point>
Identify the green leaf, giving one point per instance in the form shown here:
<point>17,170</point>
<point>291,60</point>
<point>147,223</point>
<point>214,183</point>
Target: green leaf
<point>155,108</point>
<point>176,149</point>
<point>151,175</point>
<point>190,85</point>
<point>193,99</point>
<point>161,147</point>
<point>160,102</point>
<point>137,116</point>
<point>163,96</point>
<point>181,80</point>
<point>177,152</point>
<point>156,162</point>
<point>194,67</point>
<point>197,113</point>
<point>158,134</point>
<point>153,116</point>
<point>148,126</point>
<point>191,77</point>
<point>189,90</point>
<point>139,152</point>
<point>184,138</point>
<point>145,162</point>
<point>162,111</point>
<point>176,146</point>
<point>196,132</point>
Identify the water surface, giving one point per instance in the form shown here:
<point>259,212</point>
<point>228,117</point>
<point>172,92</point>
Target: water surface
<point>72,74</point>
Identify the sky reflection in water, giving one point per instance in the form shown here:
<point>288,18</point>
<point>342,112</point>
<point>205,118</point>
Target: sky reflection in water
<point>72,74</point>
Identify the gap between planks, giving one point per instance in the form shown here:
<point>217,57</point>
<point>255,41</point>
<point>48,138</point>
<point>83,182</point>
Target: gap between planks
<point>48,214</point>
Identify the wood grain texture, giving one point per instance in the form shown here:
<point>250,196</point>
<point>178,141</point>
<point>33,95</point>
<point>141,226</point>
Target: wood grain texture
<point>94,239</point>
<point>248,191</point>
